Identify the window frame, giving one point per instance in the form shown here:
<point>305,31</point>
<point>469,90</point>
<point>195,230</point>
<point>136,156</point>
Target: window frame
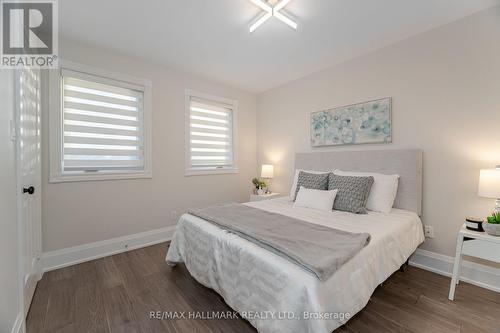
<point>187,127</point>
<point>55,92</point>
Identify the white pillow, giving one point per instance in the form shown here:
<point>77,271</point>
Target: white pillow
<point>383,191</point>
<point>296,178</point>
<point>316,199</point>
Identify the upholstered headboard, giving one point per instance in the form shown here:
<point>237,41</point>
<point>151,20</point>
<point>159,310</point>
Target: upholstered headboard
<point>406,163</point>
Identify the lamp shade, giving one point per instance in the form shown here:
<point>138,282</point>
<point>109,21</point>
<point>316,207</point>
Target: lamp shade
<point>489,183</point>
<point>267,171</point>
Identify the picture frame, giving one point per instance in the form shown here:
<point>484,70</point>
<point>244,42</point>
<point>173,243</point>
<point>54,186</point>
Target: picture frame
<point>361,123</point>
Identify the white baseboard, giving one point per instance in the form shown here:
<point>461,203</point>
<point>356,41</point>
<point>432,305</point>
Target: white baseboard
<point>81,253</point>
<point>473,273</point>
<point>18,324</point>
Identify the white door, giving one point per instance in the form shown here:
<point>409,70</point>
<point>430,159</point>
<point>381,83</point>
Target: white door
<point>28,106</point>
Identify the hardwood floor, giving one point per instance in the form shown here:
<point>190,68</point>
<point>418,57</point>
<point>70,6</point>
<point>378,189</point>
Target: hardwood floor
<point>116,294</point>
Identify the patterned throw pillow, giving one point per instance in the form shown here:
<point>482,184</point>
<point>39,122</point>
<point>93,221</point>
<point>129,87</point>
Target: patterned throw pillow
<point>352,192</point>
<point>315,181</point>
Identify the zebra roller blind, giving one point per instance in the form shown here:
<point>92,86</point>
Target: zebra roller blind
<point>211,139</point>
<point>102,124</point>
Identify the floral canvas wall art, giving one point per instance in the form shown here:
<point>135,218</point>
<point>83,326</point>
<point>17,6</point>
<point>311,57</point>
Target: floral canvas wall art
<point>367,122</point>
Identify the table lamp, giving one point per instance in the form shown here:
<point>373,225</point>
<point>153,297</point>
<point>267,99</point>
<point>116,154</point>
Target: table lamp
<point>267,172</point>
<point>489,185</point>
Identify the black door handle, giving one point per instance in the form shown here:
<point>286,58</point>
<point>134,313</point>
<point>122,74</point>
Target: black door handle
<point>29,190</point>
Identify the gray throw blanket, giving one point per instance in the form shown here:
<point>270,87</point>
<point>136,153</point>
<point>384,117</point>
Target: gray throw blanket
<point>317,249</point>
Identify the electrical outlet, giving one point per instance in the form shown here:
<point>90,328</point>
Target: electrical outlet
<point>429,231</point>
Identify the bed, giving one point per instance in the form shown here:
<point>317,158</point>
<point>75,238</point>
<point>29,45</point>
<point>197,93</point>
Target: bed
<point>275,295</point>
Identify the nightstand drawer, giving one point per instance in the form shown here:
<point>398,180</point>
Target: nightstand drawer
<point>482,249</point>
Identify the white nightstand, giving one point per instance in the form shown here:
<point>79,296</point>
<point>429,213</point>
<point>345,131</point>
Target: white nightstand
<point>255,197</point>
<point>475,244</point>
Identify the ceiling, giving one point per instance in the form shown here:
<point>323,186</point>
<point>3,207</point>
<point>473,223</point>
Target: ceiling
<point>211,38</point>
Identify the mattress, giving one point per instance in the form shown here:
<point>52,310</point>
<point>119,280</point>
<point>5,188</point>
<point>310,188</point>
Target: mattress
<point>275,295</point>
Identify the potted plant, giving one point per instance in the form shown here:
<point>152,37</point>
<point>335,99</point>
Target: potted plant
<point>259,185</point>
<point>492,224</point>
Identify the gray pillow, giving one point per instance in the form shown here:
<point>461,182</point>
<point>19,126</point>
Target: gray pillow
<point>352,192</point>
<point>315,181</point>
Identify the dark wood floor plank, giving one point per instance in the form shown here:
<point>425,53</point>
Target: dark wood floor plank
<point>472,328</point>
<point>139,291</point>
<point>471,290</point>
<point>133,327</point>
<point>90,311</point>
<point>344,329</point>
<point>61,274</point>
<point>157,326</point>
<point>121,257</point>
<point>455,311</point>
<point>118,294</point>
<point>390,305</point>
<point>373,322</point>
<point>118,307</point>
<point>405,294</point>
<point>38,311</point>
<point>436,287</point>
<point>109,276</point>
<point>141,261</point>
<point>61,307</point>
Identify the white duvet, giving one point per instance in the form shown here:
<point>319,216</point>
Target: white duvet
<point>275,295</point>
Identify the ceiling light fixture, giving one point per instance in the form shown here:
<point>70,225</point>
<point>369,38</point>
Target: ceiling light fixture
<point>272,11</point>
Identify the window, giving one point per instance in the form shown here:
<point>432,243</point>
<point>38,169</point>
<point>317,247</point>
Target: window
<point>210,134</point>
<point>100,127</point>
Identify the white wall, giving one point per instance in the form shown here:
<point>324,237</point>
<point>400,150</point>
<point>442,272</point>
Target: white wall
<point>9,303</point>
<point>445,85</point>
<point>83,212</point>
